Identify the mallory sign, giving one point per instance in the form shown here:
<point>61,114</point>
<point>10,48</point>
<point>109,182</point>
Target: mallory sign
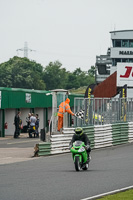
<point>125,74</point>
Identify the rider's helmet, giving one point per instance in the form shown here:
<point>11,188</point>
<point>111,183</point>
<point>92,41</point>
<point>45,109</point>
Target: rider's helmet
<point>78,131</point>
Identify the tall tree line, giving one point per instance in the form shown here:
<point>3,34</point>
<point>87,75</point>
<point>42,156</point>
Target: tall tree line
<point>23,73</point>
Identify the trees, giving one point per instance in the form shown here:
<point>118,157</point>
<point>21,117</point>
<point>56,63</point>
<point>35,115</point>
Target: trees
<point>80,78</point>
<point>23,73</point>
<point>72,81</point>
<point>91,71</point>
<point>54,76</point>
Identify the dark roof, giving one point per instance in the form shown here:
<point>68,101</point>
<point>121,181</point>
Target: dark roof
<point>23,90</point>
<point>107,88</point>
<point>121,31</point>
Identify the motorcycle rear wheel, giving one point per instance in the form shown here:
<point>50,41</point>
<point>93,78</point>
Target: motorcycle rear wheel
<point>77,164</point>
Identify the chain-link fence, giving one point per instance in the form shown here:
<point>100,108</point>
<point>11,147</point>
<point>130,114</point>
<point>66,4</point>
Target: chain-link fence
<point>103,110</point>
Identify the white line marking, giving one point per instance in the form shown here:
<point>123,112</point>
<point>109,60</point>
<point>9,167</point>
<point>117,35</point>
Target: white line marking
<point>23,142</point>
<point>108,193</point>
<point>6,158</point>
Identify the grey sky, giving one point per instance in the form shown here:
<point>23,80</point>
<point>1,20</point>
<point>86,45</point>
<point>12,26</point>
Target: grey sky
<point>70,31</point>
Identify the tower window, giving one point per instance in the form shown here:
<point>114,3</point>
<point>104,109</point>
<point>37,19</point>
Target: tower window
<point>117,43</point>
<point>125,43</point>
<point>130,43</point>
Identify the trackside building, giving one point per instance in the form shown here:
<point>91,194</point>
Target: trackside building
<point>118,61</point>
<point>121,51</point>
<point>25,100</point>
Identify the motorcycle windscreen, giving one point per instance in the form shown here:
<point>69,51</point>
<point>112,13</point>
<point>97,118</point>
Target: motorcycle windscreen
<point>77,143</point>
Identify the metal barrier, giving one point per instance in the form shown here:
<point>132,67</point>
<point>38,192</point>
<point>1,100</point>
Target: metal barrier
<point>120,133</point>
<point>130,131</point>
<point>60,143</point>
<point>100,136</point>
<point>100,111</point>
<point>103,136</point>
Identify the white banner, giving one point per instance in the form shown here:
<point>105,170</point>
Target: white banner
<point>125,74</point>
<point>28,98</point>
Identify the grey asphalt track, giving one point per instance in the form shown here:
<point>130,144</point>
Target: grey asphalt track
<point>17,150</point>
<point>54,177</point>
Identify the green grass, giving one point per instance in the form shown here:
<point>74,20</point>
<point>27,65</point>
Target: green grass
<point>127,195</point>
<point>80,90</point>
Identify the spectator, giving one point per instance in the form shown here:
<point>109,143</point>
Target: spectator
<point>17,122</point>
<point>20,124</point>
<point>28,120</point>
<point>37,125</point>
<point>32,125</point>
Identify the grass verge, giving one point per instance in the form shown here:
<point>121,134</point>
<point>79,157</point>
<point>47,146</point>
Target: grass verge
<point>127,195</point>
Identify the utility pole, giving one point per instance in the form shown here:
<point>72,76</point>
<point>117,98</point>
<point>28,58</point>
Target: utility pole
<point>25,50</point>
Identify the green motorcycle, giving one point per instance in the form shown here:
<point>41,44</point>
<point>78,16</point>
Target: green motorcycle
<point>79,155</point>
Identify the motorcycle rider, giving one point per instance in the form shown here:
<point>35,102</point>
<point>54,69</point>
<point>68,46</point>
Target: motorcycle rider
<point>79,135</point>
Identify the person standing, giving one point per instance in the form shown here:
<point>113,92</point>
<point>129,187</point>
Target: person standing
<point>37,125</point>
<point>63,107</point>
<point>17,122</point>
<point>28,120</point>
<point>32,124</point>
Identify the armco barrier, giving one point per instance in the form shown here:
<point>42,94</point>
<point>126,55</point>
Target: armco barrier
<point>60,143</point>
<point>90,133</point>
<point>130,131</point>
<point>99,136</point>
<point>103,136</point>
<point>120,133</point>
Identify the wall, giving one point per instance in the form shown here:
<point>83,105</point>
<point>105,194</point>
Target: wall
<point>9,118</point>
<point>130,92</point>
<point>40,112</point>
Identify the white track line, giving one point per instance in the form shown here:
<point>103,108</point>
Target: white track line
<point>108,193</point>
<point>23,142</point>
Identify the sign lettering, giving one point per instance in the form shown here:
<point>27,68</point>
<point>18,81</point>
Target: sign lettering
<point>127,73</point>
<point>126,52</point>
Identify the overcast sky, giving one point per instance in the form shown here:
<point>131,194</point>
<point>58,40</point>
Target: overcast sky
<point>70,31</point>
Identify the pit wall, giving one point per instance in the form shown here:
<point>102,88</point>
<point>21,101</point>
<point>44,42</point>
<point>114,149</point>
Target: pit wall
<point>100,136</point>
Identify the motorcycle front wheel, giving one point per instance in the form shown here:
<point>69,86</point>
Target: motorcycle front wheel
<point>77,164</point>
